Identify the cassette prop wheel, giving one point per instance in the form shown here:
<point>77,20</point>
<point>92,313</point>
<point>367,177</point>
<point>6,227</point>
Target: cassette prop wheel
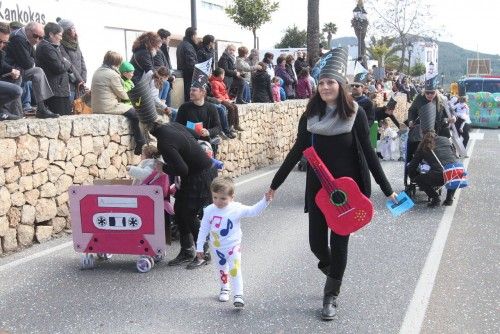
<point>87,261</point>
<point>144,264</point>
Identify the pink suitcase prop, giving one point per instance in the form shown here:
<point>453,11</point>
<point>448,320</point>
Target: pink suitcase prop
<point>118,219</point>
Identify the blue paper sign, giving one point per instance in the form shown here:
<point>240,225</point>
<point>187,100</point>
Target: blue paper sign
<point>404,204</point>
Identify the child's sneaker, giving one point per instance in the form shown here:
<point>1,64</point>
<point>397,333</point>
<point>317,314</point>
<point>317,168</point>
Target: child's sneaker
<point>238,301</point>
<point>224,295</point>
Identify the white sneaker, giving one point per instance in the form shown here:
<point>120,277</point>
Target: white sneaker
<point>224,295</point>
<point>238,301</point>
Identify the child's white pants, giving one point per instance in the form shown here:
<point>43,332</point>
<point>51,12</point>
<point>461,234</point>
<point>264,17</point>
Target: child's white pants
<point>228,264</point>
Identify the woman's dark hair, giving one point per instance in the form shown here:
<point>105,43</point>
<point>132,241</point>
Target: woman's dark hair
<point>163,33</point>
<point>52,27</point>
<point>4,28</point>
<point>148,40</point>
<point>280,59</point>
<point>218,72</point>
<point>190,32</point>
<point>159,75</point>
<point>263,66</point>
<point>428,142</point>
<point>345,105</point>
<point>304,73</point>
<point>207,39</point>
<point>242,51</point>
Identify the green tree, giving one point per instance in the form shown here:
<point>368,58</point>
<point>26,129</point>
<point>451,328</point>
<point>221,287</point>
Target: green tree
<point>313,35</point>
<point>384,51</point>
<point>330,29</point>
<point>293,38</point>
<point>417,70</point>
<point>251,14</point>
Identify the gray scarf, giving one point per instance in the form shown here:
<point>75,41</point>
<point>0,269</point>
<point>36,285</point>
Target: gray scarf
<point>331,124</point>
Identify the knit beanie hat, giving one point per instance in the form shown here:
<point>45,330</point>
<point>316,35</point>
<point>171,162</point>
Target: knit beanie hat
<point>333,65</point>
<point>66,24</point>
<point>126,67</point>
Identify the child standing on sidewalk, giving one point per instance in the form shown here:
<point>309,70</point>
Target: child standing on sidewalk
<point>222,221</point>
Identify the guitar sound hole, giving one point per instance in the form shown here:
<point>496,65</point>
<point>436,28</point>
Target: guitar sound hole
<point>338,197</point>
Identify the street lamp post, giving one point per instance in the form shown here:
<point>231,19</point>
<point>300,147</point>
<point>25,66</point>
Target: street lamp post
<point>360,23</point>
<point>410,50</point>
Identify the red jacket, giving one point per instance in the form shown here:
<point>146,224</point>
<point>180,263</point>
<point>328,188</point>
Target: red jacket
<point>219,90</point>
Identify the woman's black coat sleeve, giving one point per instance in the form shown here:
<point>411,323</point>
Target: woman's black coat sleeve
<point>363,133</point>
<point>301,143</point>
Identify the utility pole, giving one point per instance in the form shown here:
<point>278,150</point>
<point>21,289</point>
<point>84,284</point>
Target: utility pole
<point>193,13</point>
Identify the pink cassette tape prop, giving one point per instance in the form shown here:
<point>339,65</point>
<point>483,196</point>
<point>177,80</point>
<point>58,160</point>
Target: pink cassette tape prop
<point>118,219</point>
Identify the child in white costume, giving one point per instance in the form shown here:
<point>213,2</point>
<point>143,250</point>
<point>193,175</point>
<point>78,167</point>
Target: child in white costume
<point>149,158</point>
<point>388,143</point>
<point>222,221</point>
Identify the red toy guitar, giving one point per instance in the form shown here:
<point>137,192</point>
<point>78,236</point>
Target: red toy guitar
<point>344,206</point>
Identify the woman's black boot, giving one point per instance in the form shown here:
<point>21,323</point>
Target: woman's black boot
<point>332,289</point>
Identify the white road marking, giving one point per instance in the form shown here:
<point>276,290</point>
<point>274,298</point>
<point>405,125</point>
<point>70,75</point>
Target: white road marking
<point>415,313</point>
<point>28,258</point>
<point>476,135</point>
<point>51,250</point>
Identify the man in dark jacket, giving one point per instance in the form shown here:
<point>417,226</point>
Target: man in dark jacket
<point>187,58</point>
<point>357,93</point>
<point>228,63</point>
<point>165,49</point>
<point>8,91</point>
<point>206,49</point>
<point>21,54</point>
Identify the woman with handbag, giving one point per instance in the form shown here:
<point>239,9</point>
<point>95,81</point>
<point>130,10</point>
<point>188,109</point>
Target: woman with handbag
<point>56,67</point>
<point>70,49</point>
<point>337,128</point>
<point>436,151</point>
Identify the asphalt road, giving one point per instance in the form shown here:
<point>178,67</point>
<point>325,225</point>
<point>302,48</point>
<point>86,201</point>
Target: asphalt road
<point>388,276</point>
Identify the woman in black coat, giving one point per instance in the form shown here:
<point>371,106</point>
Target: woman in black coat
<point>184,157</point>
<point>70,50</point>
<point>261,85</point>
<point>437,152</point>
<point>144,50</point>
<point>49,57</point>
<point>338,129</point>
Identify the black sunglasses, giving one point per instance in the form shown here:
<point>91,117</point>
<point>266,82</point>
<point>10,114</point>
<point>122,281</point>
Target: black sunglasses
<point>430,92</point>
<point>356,86</point>
<point>37,36</point>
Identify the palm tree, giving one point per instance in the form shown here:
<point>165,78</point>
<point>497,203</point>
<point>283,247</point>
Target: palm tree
<point>331,29</point>
<point>313,51</point>
<point>384,51</point>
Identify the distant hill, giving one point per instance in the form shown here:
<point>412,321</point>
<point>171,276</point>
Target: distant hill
<point>452,58</point>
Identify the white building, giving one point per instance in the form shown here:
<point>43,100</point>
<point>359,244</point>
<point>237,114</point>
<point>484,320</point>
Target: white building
<point>424,52</point>
<point>115,24</point>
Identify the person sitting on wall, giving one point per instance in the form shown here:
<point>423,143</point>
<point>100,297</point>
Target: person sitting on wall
<point>219,91</point>
<point>144,49</point>
<point>108,95</point>
<point>21,54</point>
<point>8,91</point>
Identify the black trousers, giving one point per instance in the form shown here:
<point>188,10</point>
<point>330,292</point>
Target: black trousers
<point>133,118</point>
<point>187,76</point>
<point>188,222</point>
<point>59,105</point>
<point>428,181</point>
<point>331,252</point>
<point>233,118</point>
<point>465,131</point>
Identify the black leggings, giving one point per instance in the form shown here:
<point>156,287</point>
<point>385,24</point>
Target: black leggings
<point>187,221</point>
<point>333,254</point>
<point>132,116</point>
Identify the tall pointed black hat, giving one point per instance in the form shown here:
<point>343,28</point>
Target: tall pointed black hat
<point>201,73</point>
<point>332,65</point>
<point>427,115</point>
<point>142,99</point>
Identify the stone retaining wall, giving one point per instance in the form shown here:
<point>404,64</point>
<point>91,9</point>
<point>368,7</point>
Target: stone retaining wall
<point>40,159</point>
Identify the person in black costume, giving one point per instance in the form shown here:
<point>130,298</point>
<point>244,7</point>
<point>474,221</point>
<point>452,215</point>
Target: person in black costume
<point>184,157</point>
<point>430,149</point>
<point>338,129</point>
